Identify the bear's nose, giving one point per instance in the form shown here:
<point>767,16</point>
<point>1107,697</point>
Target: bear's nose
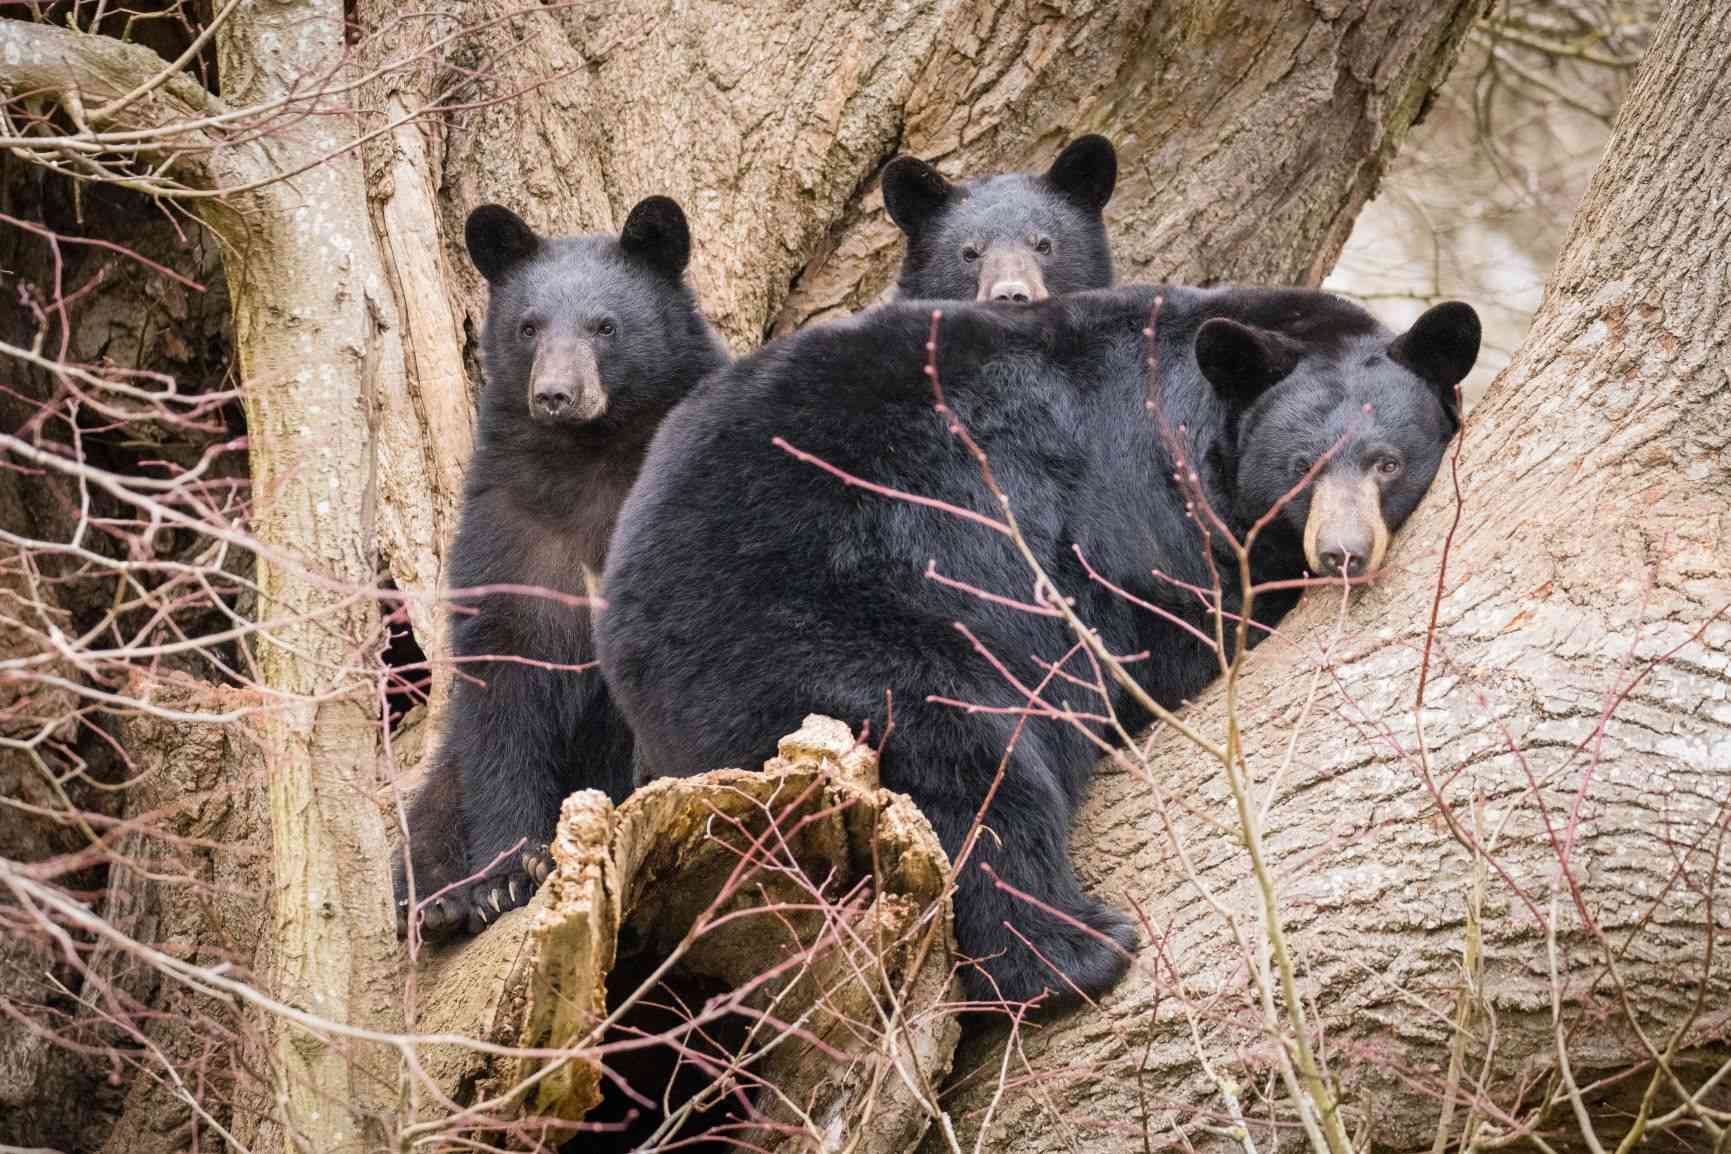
<point>1011,290</point>
<point>554,402</point>
<point>1338,561</point>
<point>1343,548</point>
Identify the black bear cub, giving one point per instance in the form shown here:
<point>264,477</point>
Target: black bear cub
<point>1013,237</point>
<point>589,341</point>
<point>735,610</point>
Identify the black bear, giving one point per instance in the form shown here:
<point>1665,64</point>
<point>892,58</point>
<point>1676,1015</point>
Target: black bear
<point>735,609</point>
<point>589,341</point>
<point>1012,237</point>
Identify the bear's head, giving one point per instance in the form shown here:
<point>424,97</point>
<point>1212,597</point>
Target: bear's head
<point>1014,237</point>
<point>587,330</point>
<point>1381,408</point>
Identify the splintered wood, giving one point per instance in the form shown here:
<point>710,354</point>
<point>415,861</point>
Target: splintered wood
<point>810,897</point>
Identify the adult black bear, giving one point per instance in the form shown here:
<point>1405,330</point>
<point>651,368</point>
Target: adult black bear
<point>1012,237</point>
<point>589,341</point>
<point>746,588</point>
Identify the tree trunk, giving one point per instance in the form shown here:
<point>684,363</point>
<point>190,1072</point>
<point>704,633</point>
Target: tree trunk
<point>1554,780</point>
<point>313,334</point>
<point>317,342</point>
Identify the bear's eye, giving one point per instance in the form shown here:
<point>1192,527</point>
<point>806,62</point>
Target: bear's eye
<point>526,330</point>
<point>1387,466</point>
<point>1043,246</point>
<point>970,253</point>
<point>1301,464</point>
<point>606,328</point>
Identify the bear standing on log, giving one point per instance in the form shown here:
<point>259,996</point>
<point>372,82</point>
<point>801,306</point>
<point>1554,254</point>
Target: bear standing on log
<point>746,588</point>
<point>589,341</point>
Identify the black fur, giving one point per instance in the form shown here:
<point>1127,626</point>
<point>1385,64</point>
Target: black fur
<point>1441,347</point>
<point>539,503</point>
<point>747,588</point>
<point>498,240</point>
<point>953,229</point>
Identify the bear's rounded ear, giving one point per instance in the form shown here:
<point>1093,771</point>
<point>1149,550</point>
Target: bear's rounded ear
<point>1086,172</point>
<point>914,191</point>
<point>1241,361</point>
<point>1440,348</point>
<point>498,240</point>
<point>656,232</point>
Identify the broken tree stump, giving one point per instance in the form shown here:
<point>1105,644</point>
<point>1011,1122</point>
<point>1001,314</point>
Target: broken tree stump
<point>785,932</point>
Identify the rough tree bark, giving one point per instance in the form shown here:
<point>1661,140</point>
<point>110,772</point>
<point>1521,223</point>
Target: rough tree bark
<point>314,334</point>
<point>1594,540</point>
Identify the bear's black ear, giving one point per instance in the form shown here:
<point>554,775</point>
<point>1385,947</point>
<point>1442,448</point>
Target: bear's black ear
<point>1240,361</point>
<point>1440,348</point>
<point>914,191</point>
<point>1086,172</point>
<point>498,240</point>
<point>656,232</point>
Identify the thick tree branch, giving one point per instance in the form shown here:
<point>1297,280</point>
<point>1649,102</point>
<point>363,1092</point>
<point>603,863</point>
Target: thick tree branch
<point>82,73</point>
<point>49,60</point>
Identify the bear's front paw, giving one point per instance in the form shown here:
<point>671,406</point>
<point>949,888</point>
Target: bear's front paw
<point>472,906</point>
<point>1067,964</point>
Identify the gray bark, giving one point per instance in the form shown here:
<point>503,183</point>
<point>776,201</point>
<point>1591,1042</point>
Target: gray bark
<point>317,342</point>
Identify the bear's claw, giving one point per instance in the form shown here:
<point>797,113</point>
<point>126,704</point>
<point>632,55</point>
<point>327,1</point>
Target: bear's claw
<point>538,866</point>
<point>474,905</point>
